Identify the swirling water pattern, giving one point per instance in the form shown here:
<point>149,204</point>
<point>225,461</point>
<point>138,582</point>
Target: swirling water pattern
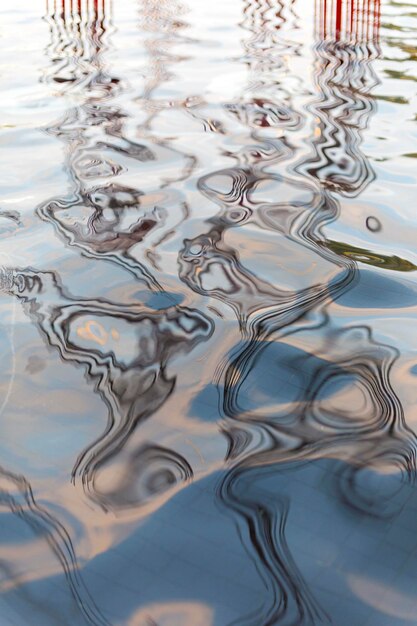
<point>208,301</point>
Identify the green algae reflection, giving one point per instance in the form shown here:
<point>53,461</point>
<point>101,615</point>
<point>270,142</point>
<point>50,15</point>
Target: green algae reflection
<point>363,255</point>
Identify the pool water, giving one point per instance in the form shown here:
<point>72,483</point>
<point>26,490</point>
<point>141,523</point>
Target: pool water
<point>208,298</point>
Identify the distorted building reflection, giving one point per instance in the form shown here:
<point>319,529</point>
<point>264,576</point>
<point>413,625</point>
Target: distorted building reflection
<point>313,421</point>
<point>265,213</point>
<point>296,525</point>
<point>347,43</point>
<point>126,351</point>
<point>266,102</point>
<point>125,347</point>
<point>349,21</point>
<point>308,394</point>
<point>104,214</point>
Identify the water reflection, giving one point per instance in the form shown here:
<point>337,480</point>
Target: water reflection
<point>107,219</point>
<point>258,200</point>
<point>125,350</point>
<point>211,267</point>
<point>355,21</point>
<point>285,406</point>
<point>344,79</point>
<point>254,448</point>
<point>334,407</point>
<point>37,523</point>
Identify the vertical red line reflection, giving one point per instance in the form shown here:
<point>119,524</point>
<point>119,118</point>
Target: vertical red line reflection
<point>338,19</point>
<point>89,11</point>
<point>377,21</point>
<point>348,20</point>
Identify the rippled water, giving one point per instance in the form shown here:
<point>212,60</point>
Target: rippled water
<point>208,306</point>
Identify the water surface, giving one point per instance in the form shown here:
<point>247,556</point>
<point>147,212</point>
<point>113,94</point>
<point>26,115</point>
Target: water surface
<point>208,301</point>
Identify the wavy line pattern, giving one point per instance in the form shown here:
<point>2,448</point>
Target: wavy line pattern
<point>233,361</point>
<point>16,494</point>
<point>131,377</point>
